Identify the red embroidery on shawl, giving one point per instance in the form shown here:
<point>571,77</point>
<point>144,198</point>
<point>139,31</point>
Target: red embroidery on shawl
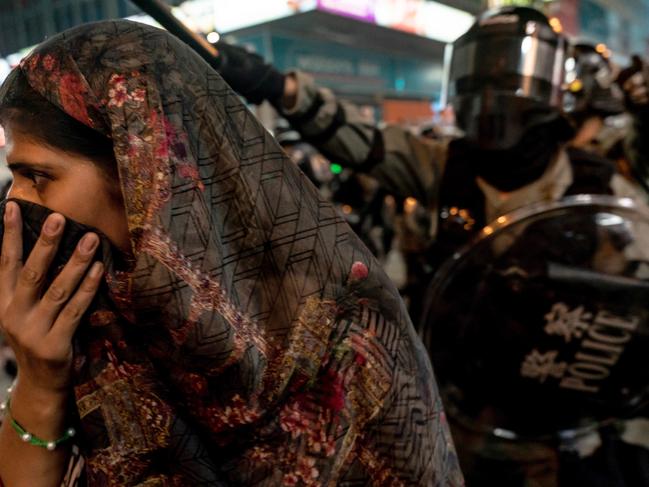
<point>300,357</point>
<point>161,150</point>
<point>119,285</point>
<point>359,272</point>
<point>30,62</point>
<point>190,171</point>
<point>177,144</point>
<point>197,383</point>
<point>294,420</point>
<point>73,93</point>
<point>144,160</point>
<point>179,335</point>
<point>49,62</point>
<point>290,479</point>
<point>333,391</point>
<point>305,471</point>
<point>260,454</point>
<point>362,344</point>
<point>234,415</point>
<point>310,416</point>
<point>360,360</point>
<point>138,95</point>
<point>208,295</point>
<point>378,469</point>
<point>117,93</point>
<point>102,318</point>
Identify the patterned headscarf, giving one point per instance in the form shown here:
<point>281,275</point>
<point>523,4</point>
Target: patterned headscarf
<point>256,339</point>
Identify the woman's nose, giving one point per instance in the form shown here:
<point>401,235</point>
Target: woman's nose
<point>21,192</point>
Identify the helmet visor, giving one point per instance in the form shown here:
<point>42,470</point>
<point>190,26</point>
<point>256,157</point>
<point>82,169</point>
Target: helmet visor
<point>525,66</point>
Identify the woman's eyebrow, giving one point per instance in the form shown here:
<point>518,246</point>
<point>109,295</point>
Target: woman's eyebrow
<point>18,166</point>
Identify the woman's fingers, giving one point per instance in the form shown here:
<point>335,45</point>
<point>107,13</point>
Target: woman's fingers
<point>68,319</point>
<point>32,275</point>
<point>68,279</point>
<point>11,254</point>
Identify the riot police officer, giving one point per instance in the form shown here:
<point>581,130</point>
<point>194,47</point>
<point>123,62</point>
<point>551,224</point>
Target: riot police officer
<point>634,80</point>
<point>592,95</point>
<point>607,123</point>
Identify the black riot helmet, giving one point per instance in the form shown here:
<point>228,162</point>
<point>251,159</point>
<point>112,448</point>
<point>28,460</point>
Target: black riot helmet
<point>590,83</point>
<point>506,76</point>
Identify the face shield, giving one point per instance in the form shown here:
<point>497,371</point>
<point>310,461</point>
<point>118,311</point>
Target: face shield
<point>501,79</point>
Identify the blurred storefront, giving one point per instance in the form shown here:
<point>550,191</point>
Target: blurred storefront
<point>373,52</point>
<point>373,57</point>
<point>385,54</point>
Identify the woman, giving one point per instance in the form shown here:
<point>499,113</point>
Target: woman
<point>244,336</point>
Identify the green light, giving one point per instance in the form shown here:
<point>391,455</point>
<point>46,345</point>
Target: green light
<point>336,168</point>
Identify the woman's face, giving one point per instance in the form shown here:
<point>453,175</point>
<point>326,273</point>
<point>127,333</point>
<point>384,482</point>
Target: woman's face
<point>66,183</point>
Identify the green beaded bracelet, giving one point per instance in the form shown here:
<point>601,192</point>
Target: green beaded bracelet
<point>30,438</point>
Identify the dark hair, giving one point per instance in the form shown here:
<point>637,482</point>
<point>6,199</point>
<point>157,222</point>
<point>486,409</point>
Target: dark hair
<point>33,115</point>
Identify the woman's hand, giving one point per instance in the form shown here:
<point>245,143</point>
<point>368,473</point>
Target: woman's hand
<point>39,325</point>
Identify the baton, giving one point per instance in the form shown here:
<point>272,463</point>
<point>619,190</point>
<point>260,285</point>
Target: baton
<point>162,14</point>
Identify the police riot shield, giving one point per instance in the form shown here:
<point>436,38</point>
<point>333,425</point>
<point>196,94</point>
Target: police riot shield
<point>540,327</point>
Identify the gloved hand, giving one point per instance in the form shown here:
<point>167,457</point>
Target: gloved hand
<point>249,75</point>
<point>634,81</point>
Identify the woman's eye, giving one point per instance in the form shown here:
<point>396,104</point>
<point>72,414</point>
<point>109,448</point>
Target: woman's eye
<point>38,179</point>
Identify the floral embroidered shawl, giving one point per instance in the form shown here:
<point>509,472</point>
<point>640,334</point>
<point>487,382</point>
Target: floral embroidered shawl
<point>257,341</point>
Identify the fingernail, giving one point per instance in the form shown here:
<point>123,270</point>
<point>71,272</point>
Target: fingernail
<point>88,243</point>
<point>53,224</point>
<point>96,270</point>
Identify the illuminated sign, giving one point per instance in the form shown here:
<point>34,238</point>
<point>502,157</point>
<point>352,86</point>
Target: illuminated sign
<point>424,18</point>
<point>427,19</point>
<point>359,9</point>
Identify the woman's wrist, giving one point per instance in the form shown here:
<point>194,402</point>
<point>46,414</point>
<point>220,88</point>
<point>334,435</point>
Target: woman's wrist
<point>33,445</point>
<point>41,412</point>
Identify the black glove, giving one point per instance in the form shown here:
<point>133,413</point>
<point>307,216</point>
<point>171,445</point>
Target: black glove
<point>634,81</point>
<point>249,75</point>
